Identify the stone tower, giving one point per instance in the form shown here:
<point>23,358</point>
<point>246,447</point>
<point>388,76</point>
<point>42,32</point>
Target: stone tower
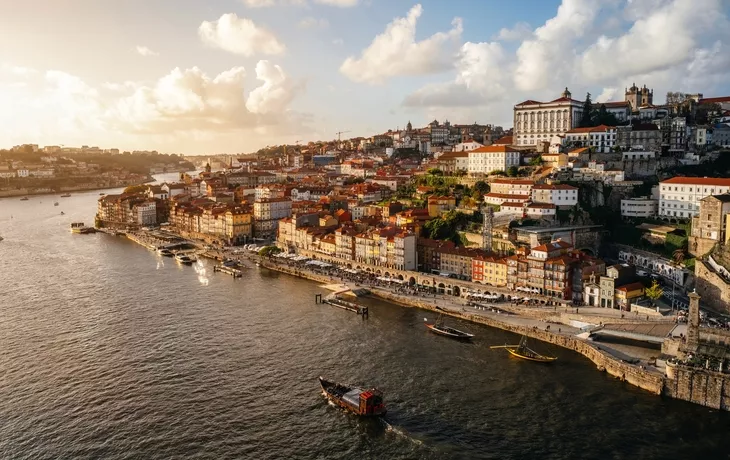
<point>638,97</point>
<point>566,93</point>
<point>409,126</point>
<point>693,326</point>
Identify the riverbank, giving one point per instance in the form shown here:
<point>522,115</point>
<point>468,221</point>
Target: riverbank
<point>72,188</point>
<point>638,375</point>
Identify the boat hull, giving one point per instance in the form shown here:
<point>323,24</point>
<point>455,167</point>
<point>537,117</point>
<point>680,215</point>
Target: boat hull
<point>538,359</point>
<point>451,333</point>
<point>329,390</point>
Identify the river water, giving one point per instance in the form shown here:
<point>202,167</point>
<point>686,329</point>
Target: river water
<point>108,351</point>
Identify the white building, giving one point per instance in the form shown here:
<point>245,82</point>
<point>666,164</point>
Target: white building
<point>641,207</point>
<point>680,196</point>
<point>512,186</point>
<point>638,155</point>
<point>267,213</point>
<point>540,210</point>
<point>147,213</point>
<point>558,194</point>
<point>467,146</point>
<point>484,160</point>
<point>22,173</point>
<point>601,138</point>
<point>536,122</point>
<point>621,109</point>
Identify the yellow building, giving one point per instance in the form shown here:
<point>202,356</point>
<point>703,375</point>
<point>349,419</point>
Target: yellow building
<point>238,225</point>
<point>555,160</point>
<point>489,270</point>
<point>438,205</point>
<point>628,293</point>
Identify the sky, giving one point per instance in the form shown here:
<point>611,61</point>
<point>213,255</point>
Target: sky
<point>232,76</point>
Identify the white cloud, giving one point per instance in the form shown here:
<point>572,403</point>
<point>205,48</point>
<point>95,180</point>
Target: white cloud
<point>313,23</point>
<point>258,3</point>
<point>607,95</point>
<point>396,52</point>
<point>338,3</point>
<point>239,36</point>
<point>542,60</point>
<point>18,71</point>
<point>520,31</point>
<point>276,92</point>
<point>338,42</point>
<point>145,51</point>
<point>646,47</point>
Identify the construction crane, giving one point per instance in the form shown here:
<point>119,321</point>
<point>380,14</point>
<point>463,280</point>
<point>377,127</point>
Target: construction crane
<point>339,135</point>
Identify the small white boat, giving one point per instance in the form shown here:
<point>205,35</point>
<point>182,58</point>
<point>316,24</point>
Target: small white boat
<point>185,259</point>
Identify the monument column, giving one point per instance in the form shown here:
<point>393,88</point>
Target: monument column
<point>693,325</point>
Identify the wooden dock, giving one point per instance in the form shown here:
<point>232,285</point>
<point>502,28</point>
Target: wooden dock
<point>343,304</point>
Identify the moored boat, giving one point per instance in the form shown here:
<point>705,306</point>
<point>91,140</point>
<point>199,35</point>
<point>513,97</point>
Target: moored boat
<point>25,198</point>
<point>165,252</point>
<point>523,351</point>
<point>440,328</point>
<point>185,259</point>
<point>65,195</point>
<point>1,238</point>
<point>357,400</point>
<point>79,227</point>
<point>55,203</point>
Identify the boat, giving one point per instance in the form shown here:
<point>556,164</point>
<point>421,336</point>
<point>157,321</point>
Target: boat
<point>524,352</point>
<point>185,259</point>
<point>357,400</point>
<point>65,195</point>
<point>1,238</point>
<point>438,327</point>
<point>102,193</point>
<point>25,198</point>
<point>55,203</point>
<point>79,227</point>
<point>62,213</point>
<point>165,252</point>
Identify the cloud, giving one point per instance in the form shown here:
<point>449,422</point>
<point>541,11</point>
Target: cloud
<point>146,52</point>
<point>276,92</point>
<point>338,3</point>
<point>338,42</point>
<point>239,36</point>
<point>674,45</point>
<point>646,48</point>
<point>259,3</point>
<point>313,23</point>
<point>520,31</point>
<point>396,52</point>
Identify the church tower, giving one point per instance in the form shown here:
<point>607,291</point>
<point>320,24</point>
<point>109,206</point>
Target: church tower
<point>566,94</point>
<point>409,126</point>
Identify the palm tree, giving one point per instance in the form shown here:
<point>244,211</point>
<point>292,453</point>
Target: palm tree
<point>678,256</point>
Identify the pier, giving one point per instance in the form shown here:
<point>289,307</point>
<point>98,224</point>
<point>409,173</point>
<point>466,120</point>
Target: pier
<point>234,272</point>
<point>333,300</point>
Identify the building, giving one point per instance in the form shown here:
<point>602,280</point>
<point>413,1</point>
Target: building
<point>485,160</point>
<point>451,162</point>
<point>438,205</point>
<point>639,97</point>
<point>616,275</point>
<point>555,160</point>
<point>621,109</point>
<point>679,197</point>
<point>467,146</point>
<point>457,261</point>
<point>709,226</point>
<point>390,247</point>
<point>439,134</point>
<point>267,213</point>
<point>512,186</point>
<point>640,136</point>
<point>537,122</point>
<point>639,207</point>
<point>429,254</point>
<point>601,139</point>
<point>489,270</point>
<point>557,194</point>
<point>627,294</point>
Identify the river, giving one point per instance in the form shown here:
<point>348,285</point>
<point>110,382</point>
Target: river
<point>110,351</point>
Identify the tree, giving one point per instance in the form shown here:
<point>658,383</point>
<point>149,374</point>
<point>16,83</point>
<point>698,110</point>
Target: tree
<point>603,117</point>
<point>536,161</point>
<point>654,292</point>
<point>585,119</point>
<point>269,251</point>
<point>481,187</point>
<point>435,172</point>
<point>134,189</point>
<point>678,256</point>
<point>512,171</point>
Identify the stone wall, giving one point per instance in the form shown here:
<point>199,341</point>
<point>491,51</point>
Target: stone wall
<point>700,386</point>
<point>715,291</point>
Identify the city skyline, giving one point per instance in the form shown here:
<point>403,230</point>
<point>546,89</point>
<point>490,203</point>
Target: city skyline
<point>232,76</point>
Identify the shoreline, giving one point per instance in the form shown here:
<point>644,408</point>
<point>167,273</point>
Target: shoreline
<point>605,362</point>
<point>24,192</point>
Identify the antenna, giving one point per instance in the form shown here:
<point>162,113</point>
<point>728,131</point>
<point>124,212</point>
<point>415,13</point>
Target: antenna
<point>487,229</point>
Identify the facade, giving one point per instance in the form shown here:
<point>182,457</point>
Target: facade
<point>555,160</point>
<point>557,194</point>
<point>390,247</point>
<point>639,97</point>
<point>621,109</point>
<point>709,226</point>
<point>627,294</point>
<point>679,197</point>
<point>536,122</point>
<point>512,186</point>
<point>639,207</point>
<point>267,213</point>
<point>429,254</point>
<point>438,205</point>
<point>641,136</point>
<point>600,139</point>
<point>489,270</point>
<point>467,146</point>
<point>545,269</point>
<point>451,162</point>
<point>485,160</point>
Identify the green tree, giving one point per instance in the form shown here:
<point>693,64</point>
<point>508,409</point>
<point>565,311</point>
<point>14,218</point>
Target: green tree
<point>654,292</point>
<point>603,117</point>
<point>536,161</point>
<point>435,172</point>
<point>585,119</point>
<point>512,171</point>
<point>481,187</point>
<point>269,251</point>
<point>134,189</point>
